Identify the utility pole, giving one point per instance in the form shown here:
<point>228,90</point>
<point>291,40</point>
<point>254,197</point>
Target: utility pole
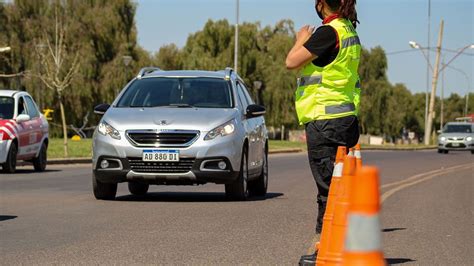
<point>429,124</point>
<point>442,100</point>
<point>236,48</point>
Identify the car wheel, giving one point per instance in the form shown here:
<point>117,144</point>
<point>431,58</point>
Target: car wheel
<point>103,191</point>
<point>440,151</point>
<point>239,189</point>
<point>472,152</point>
<point>138,188</point>
<point>10,165</point>
<point>259,186</point>
<point>446,151</point>
<point>40,162</point>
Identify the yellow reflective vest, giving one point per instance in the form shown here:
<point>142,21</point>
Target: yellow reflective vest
<point>332,91</point>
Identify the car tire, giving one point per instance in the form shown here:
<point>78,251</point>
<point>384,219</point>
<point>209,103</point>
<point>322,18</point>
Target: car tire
<point>10,164</point>
<point>440,151</point>
<point>446,151</point>
<point>239,189</point>
<point>259,187</point>
<point>103,191</point>
<point>472,152</point>
<point>138,188</point>
<point>41,161</point>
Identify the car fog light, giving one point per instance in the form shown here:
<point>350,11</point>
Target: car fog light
<point>104,164</point>
<point>222,165</point>
<point>469,138</point>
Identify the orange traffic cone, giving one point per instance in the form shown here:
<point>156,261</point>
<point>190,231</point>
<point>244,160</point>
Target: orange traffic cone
<point>358,156</point>
<point>351,152</point>
<point>363,240</point>
<point>333,191</point>
<point>334,249</point>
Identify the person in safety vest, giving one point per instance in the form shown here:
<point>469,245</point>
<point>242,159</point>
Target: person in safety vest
<point>328,93</point>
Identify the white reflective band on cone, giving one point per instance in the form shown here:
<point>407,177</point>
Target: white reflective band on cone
<point>351,153</point>
<point>338,170</point>
<point>363,233</point>
<point>357,154</point>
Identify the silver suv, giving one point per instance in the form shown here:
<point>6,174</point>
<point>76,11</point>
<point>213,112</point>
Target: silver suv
<point>181,128</point>
<point>456,136</point>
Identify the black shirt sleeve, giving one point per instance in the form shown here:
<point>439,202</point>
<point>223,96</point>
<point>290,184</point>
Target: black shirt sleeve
<point>323,45</point>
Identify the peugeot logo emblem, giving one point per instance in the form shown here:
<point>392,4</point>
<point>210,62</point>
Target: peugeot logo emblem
<point>163,123</point>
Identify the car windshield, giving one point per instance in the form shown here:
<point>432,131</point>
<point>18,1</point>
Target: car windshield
<point>177,92</point>
<point>458,129</point>
<point>7,105</point>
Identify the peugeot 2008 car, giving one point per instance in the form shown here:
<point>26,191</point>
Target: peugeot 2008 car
<point>181,128</point>
<point>456,136</point>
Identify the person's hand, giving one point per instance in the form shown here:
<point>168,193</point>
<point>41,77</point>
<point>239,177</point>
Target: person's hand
<point>304,33</point>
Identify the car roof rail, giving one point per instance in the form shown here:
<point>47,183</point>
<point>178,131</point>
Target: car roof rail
<point>147,70</point>
<point>228,72</point>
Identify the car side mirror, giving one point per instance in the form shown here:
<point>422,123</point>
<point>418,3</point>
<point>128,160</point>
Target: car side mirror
<point>440,131</point>
<point>255,110</point>
<point>23,118</point>
<point>101,108</point>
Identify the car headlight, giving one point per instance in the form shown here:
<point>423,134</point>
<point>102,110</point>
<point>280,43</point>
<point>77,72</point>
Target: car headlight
<point>105,129</point>
<point>222,130</point>
<point>442,138</point>
<point>469,138</point>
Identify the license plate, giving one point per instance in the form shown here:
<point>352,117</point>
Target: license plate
<point>160,155</point>
<point>456,144</point>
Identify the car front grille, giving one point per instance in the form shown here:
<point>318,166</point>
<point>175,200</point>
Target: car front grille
<point>154,138</point>
<point>183,166</point>
<point>456,139</point>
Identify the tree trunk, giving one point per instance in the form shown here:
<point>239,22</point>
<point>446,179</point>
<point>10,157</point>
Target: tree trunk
<point>63,118</point>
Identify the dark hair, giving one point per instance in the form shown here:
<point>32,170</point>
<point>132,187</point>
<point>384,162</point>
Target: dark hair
<point>345,8</point>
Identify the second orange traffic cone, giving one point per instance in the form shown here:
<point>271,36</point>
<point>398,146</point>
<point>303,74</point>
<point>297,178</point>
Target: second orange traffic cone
<point>333,250</point>
<point>333,193</point>
<point>358,156</point>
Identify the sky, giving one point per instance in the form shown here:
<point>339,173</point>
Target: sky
<point>390,24</point>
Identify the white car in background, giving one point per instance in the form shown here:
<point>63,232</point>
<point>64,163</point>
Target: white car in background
<point>23,131</point>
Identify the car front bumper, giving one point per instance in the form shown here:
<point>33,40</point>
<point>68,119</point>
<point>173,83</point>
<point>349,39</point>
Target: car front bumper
<point>196,165</point>
<point>456,146</point>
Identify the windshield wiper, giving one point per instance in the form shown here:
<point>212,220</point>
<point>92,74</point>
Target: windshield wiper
<point>181,105</point>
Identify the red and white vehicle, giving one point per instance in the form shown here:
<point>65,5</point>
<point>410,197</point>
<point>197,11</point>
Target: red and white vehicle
<point>23,131</point>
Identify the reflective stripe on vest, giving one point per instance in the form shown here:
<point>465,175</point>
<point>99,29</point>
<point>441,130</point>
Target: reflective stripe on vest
<point>363,233</point>
<point>310,80</point>
<point>339,109</point>
<point>354,40</point>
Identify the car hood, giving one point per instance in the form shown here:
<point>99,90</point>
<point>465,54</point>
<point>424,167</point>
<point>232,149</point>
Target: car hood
<point>456,135</point>
<point>202,119</point>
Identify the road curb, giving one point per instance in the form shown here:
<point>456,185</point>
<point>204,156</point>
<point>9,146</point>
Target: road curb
<point>62,161</point>
<point>85,160</point>
<point>285,151</point>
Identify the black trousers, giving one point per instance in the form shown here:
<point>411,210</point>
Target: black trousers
<point>323,137</point>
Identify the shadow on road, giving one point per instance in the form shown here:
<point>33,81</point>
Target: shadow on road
<point>386,230</point>
<point>7,217</point>
<point>393,261</point>
<point>32,171</point>
<point>189,197</point>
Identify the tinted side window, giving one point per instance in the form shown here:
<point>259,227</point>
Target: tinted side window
<point>243,98</point>
<point>32,110</point>
<point>247,95</point>
<point>21,106</point>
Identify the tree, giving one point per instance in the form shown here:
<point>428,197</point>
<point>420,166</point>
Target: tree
<point>59,66</point>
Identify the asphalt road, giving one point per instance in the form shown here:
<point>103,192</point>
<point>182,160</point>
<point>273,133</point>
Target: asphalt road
<point>53,218</point>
